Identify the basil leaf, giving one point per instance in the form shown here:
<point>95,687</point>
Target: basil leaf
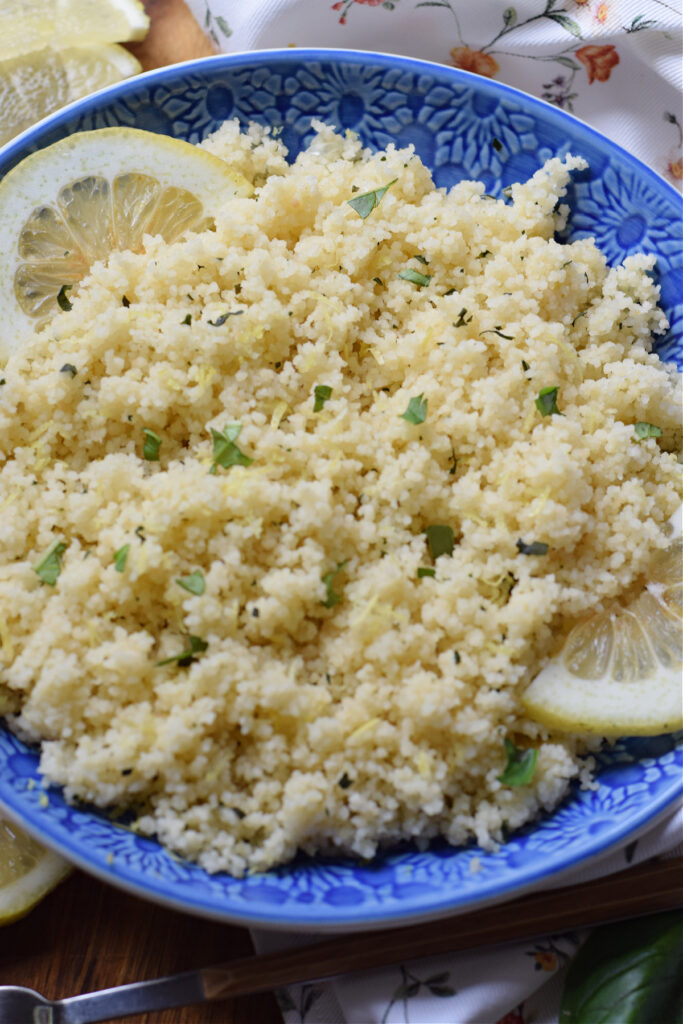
<point>425,570</point>
<point>220,320</point>
<point>461,321</point>
<point>187,321</point>
<point>366,202</point>
<point>520,766</point>
<point>345,781</point>
<point>627,972</point>
<point>194,583</point>
<point>150,449</point>
<point>415,277</point>
<point>440,540</point>
<point>332,597</point>
<point>120,557</point>
<point>50,565</point>
<point>125,302</point>
<point>62,300</point>
<point>497,330</point>
<point>321,392</point>
<point>195,646</point>
<point>422,259</point>
<point>417,410</point>
<point>644,430</point>
<point>536,547</point>
<point>546,403</point>
<point>69,368</point>
<point>225,451</point>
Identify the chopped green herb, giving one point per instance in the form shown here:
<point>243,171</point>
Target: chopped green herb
<point>578,315</point>
<point>497,330</point>
<point>239,814</point>
<point>225,451</point>
<point>125,302</point>
<point>345,781</point>
<point>507,191</point>
<point>520,766</point>
<point>194,583</point>
<point>451,291</point>
<point>644,430</point>
<point>461,321</point>
<point>50,565</point>
<point>332,597</point>
<point>454,462</point>
<point>536,547</point>
<point>525,365</point>
<point>379,281</point>
<point>486,252</point>
<point>220,320</point>
<point>69,368</point>
<point>120,557</point>
<point>456,657</point>
<point>415,277</point>
<point>150,449</point>
<point>497,144</point>
<point>425,570</point>
<point>366,202</point>
<point>2,381</point>
<point>62,300</point>
<point>321,392</point>
<point>416,411</point>
<point>546,403</point>
<point>195,646</point>
<point>422,259</point>
<point>187,321</point>
<point>440,540</point>
<point>139,532</point>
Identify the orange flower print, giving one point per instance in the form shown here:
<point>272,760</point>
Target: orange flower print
<point>674,168</point>
<point>545,960</point>
<point>598,61</point>
<point>474,60</point>
<point>601,13</point>
<point>343,6</point>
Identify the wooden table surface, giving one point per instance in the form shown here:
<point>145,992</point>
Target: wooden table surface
<point>86,935</point>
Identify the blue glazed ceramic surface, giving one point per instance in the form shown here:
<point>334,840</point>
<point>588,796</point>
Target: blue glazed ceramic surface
<point>462,126</point>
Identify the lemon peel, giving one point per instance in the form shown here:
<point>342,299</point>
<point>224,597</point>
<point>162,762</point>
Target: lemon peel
<point>28,872</point>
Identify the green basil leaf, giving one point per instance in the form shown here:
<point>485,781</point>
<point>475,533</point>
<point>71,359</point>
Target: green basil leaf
<point>417,410</point>
<point>150,449</point>
<point>366,202</point>
<point>645,430</point>
<point>425,570</point>
<point>194,583</point>
<point>415,277</point>
<point>546,403</point>
<point>62,300</point>
<point>628,972</point>
<point>440,540</point>
<point>220,320</point>
<point>520,766</point>
<point>50,565</point>
<point>332,597</point>
<point>321,392</point>
<point>537,547</point>
<point>345,781</point>
<point>120,557</point>
<point>195,646</point>
<point>69,368</point>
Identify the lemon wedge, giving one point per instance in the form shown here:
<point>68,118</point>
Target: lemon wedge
<point>27,872</point>
<point>78,200</point>
<point>34,84</point>
<point>32,24</point>
<point>619,672</point>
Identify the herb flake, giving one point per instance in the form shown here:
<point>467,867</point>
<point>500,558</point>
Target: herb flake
<point>345,781</point>
<point>332,597</point>
<point>194,583</point>
<point>69,368</point>
<point>225,451</point>
<point>120,557</point>
<point>417,410</point>
<point>321,394</point>
<point>425,570</point>
<point>546,403</point>
<point>195,646</point>
<point>220,320</point>
<point>366,202</point>
<point>151,446</point>
<point>536,547</point>
<point>62,300</point>
<point>644,430</point>
<point>415,277</point>
<point>520,766</point>
<point>440,540</point>
<point>50,565</point>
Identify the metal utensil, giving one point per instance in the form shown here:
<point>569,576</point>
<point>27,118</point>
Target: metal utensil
<point>646,889</point>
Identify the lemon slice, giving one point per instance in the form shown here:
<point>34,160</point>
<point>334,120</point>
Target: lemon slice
<point>619,672</point>
<point>27,872</point>
<point>32,24</point>
<point>36,83</point>
<point>76,201</point>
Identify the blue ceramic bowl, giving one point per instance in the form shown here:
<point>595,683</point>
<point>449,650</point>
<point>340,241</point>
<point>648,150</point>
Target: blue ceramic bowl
<point>453,119</point>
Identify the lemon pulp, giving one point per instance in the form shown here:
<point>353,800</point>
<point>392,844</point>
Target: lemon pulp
<point>27,872</point>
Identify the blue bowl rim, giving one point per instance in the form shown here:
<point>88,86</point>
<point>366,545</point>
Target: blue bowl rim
<point>597,847</point>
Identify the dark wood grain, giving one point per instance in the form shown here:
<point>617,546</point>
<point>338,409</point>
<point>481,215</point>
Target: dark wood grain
<point>87,935</point>
<point>174,35</point>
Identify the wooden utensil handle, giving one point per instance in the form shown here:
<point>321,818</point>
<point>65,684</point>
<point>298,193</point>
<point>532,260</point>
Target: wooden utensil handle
<point>646,889</point>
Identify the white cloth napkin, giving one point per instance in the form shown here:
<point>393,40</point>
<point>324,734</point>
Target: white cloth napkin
<point>617,65</point>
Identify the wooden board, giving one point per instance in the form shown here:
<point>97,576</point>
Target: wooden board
<point>87,935</point>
